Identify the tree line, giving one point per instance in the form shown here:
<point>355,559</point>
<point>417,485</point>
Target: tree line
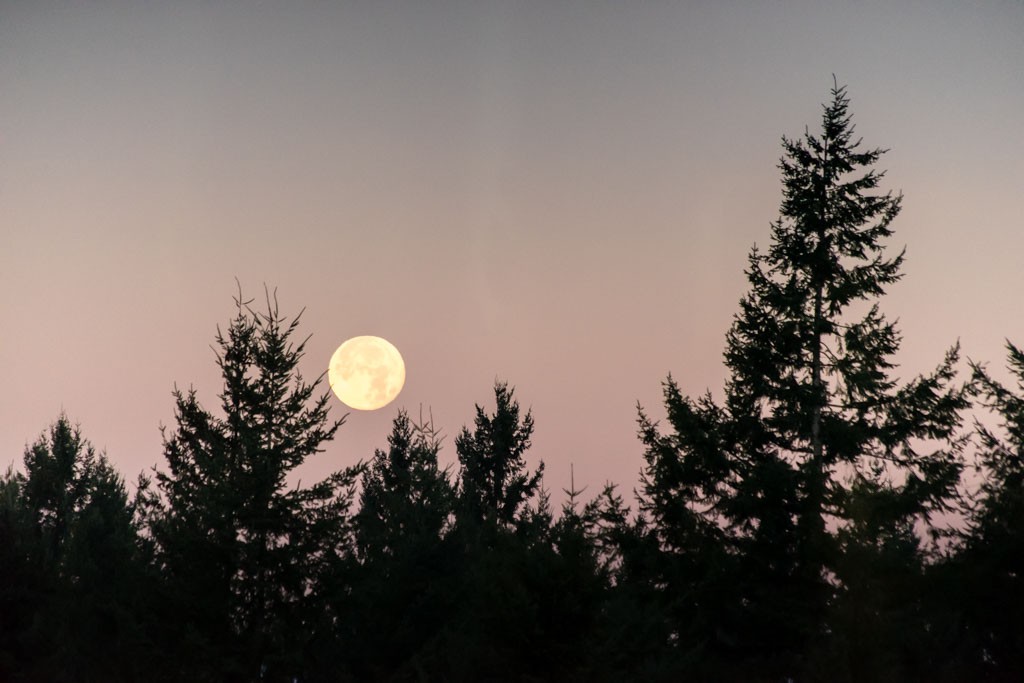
<point>792,531</point>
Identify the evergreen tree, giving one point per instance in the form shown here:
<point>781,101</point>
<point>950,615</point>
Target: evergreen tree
<point>609,625</point>
<point>73,591</point>
<point>241,549</point>
<point>494,484</point>
<point>746,496</point>
<point>493,630</point>
<point>401,584</point>
<point>406,497</point>
<point>991,568</point>
<point>20,579</point>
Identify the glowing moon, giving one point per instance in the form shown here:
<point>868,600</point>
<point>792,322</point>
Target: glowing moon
<point>366,373</point>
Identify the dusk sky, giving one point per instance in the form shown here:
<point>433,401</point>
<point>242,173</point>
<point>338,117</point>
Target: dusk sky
<point>557,194</point>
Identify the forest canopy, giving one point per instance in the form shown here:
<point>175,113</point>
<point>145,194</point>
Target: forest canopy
<point>790,531</point>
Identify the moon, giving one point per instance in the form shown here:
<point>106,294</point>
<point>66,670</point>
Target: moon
<point>366,373</point>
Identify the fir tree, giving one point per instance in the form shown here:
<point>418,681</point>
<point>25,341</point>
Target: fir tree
<point>494,483</point>
<point>500,547</point>
<point>401,583</point>
<point>991,568</point>
<point>406,497</point>
<point>813,428</point>
<point>74,591</point>
<point>242,550</point>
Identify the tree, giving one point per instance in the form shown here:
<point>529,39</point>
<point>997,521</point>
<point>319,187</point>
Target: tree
<point>991,567</point>
<point>406,497</point>
<point>768,488</point>
<point>74,587</point>
<point>612,624</point>
<point>241,549</point>
<point>496,625</point>
<point>494,484</point>
<point>401,586</point>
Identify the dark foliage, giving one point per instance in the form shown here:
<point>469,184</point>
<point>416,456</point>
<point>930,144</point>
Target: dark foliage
<point>991,567</point>
<point>240,550</point>
<point>494,486</point>
<point>786,516</point>
<point>70,576</point>
<point>789,532</point>
<point>399,576</point>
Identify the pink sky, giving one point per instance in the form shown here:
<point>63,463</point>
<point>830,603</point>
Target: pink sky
<point>560,195</point>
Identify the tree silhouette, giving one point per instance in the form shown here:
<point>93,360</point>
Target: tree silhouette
<point>990,571</point>
<point>406,497</point>
<point>70,585</point>
<point>401,588</point>
<point>788,532</point>
<point>241,549</point>
<point>814,434</point>
<point>494,484</point>
<point>503,565</point>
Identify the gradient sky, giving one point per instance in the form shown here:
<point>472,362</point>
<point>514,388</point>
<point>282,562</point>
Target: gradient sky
<point>557,194</point>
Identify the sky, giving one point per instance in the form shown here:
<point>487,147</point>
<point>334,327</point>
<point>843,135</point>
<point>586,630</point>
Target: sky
<point>560,195</point>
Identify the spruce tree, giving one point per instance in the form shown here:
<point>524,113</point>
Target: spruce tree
<point>241,548</point>
<point>401,583</point>
<point>491,632</point>
<point>632,636</point>
<point>765,492</point>
<point>74,591</point>
<point>406,498</point>
<point>19,578</point>
<point>494,485</point>
<point>991,567</point>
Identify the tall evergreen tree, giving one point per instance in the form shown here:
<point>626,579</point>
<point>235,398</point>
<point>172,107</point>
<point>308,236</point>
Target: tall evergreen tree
<point>242,549</point>
<point>991,567</point>
<point>813,422</point>
<point>72,597</point>
<point>401,587</point>
<point>491,632</point>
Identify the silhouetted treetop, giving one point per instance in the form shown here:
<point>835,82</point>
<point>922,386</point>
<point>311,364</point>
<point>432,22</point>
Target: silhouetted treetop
<point>494,482</point>
<point>819,457</point>
<point>244,547</point>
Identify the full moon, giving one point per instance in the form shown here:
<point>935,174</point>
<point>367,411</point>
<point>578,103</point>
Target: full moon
<point>366,373</point>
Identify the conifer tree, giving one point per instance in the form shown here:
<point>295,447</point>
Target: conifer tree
<point>991,567</point>
<point>241,548</point>
<point>494,483</point>
<point>631,636</point>
<point>813,425</point>
<point>406,497</point>
<point>401,584</point>
<point>18,577</point>
<point>72,540</point>
<point>497,541</point>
